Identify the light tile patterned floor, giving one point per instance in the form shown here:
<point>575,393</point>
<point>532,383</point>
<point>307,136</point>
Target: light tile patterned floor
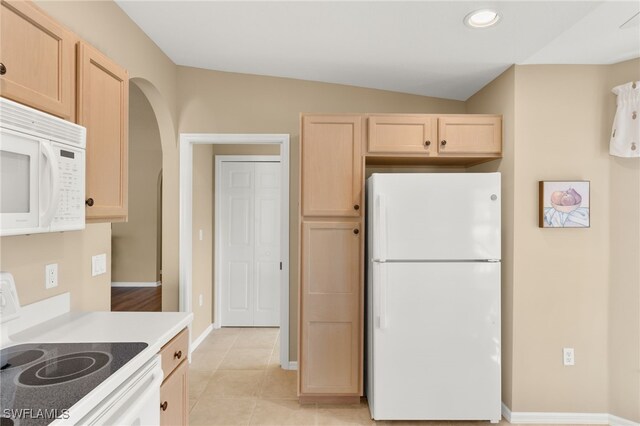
<point>235,379</point>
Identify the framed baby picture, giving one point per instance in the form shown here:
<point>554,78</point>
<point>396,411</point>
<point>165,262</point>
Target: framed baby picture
<point>564,204</point>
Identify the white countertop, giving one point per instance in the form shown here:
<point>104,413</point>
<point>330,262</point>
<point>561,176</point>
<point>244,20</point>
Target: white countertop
<point>153,328</point>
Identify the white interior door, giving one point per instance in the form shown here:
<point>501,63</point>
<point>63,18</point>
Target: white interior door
<point>250,243</point>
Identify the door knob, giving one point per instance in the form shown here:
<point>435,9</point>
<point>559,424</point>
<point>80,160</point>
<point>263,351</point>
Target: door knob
<point>89,202</point>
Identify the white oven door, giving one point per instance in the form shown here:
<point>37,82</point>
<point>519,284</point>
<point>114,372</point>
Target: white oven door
<point>19,183</point>
<point>135,403</point>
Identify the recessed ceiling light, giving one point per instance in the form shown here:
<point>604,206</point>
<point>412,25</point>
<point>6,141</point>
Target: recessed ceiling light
<point>482,18</point>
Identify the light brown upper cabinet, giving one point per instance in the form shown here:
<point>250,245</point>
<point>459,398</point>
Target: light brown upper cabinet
<point>470,134</point>
<point>103,104</point>
<point>37,59</point>
<point>331,165</point>
<point>331,297</point>
<point>403,134</point>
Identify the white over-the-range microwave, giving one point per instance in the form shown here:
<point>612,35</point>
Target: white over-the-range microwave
<point>42,171</point>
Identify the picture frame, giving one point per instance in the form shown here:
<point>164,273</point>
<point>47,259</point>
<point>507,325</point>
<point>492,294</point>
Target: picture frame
<point>564,204</point>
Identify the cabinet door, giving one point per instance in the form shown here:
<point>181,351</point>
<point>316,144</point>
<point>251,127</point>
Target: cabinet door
<point>331,165</point>
<point>174,397</point>
<point>103,98</point>
<point>330,309</point>
<point>37,57</point>
<point>470,135</point>
<point>402,134</point>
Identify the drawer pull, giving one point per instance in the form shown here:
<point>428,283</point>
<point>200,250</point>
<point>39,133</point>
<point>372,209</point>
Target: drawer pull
<point>356,207</point>
<point>356,231</point>
<point>164,406</point>
<point>178,355</point>
<point>427,143</point>
<point>443,143</point>
<point>3,69</point>
<point>89,202</point>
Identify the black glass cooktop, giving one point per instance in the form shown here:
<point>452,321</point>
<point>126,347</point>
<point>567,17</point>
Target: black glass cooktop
<point>40,382</point>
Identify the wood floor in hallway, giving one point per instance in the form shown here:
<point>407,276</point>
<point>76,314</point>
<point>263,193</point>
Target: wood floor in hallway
<point>145,299</point>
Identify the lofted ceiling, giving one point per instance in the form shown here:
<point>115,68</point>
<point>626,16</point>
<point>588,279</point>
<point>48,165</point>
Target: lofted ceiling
<point>419,47</point>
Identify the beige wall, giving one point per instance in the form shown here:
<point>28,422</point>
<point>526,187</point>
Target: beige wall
<point>498,97</point>
<point>624,299</point>
<point>202,262</point>
<point>25,256</point>
<point>561,275</point>
<point>135,242</point>
<point>220,102</point>
<point>108,28</point>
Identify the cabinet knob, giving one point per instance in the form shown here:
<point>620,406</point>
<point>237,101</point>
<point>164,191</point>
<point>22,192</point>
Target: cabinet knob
<point>443,142</point>
<point>427,143</point>
<point>89,202</point>
<point>356,231</point>
<point>356,207</point>
<point>3,69</point>
<point>178,355</point>
<point>164,406</point>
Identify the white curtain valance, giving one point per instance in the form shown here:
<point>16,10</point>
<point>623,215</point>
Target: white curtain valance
<point>625,136</point>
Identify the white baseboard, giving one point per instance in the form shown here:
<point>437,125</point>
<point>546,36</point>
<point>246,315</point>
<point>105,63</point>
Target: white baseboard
<point>564,418</point>
<point>293,365</point>
<point>216,325</point>
<point>200,338</point>
<point>619,421</point>
<point>135,284</point>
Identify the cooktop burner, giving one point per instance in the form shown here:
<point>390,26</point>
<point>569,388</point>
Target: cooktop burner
<point>13,359</point>
<point>64,368</point>
<point>39,382</point>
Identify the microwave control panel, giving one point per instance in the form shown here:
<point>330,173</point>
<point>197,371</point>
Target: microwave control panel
<point>70,213</point>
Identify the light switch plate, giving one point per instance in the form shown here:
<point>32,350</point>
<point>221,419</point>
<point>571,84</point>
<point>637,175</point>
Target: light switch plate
<point>98,264</point>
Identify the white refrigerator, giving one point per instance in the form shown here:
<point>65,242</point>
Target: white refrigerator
<point>433,296</point>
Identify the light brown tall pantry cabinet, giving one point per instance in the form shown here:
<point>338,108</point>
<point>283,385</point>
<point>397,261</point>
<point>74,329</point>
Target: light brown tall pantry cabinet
<point>331,248</point>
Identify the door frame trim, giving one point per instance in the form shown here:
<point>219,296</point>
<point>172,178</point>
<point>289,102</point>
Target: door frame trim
<point>217,276</point>
<point>186,143</point>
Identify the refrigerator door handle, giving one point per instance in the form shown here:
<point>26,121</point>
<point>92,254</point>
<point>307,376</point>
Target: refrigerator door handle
<point>380,229</point>
<point>382,295</point>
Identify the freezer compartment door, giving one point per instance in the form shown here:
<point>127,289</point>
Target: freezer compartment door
<point>435,216</point>
<point>436,341</point>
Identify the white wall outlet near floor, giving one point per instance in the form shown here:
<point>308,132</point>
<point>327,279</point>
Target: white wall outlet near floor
<point>568,356</point>
<point>51,275</point>
<point>98,264</point>
<point>200,300</point>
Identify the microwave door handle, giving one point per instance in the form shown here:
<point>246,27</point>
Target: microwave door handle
<point>54,184</point>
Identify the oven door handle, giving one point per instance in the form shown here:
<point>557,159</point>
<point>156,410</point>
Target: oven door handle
<point>132,412</point>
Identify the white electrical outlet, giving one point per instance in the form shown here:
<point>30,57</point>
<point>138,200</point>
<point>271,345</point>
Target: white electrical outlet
<point>200,300</point>
<point>98,264</point>
<point>568,356</point>
<point>51,275</point>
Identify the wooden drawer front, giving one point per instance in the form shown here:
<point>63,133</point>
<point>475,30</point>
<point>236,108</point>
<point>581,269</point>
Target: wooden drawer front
<point>469,135</point>
<point>330,355</point>
<point>174,392</point>
<point>39,58</point>
<point>402,134</point>
<point>174,352</point>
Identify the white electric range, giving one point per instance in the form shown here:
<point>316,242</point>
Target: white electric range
<point>69,368</point>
